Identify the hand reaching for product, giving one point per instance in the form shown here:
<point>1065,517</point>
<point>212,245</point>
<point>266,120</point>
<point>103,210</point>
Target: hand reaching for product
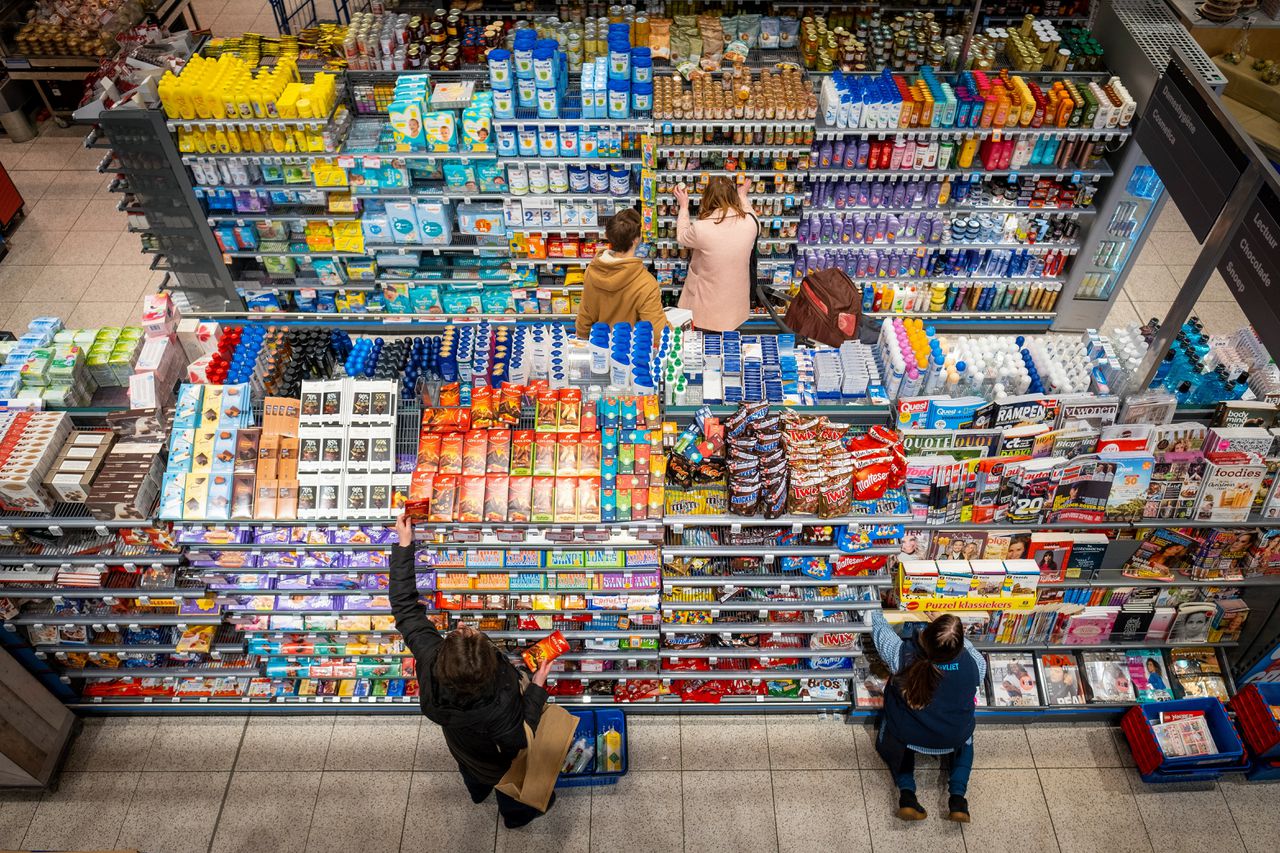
<point>404,527</point>
<point>681,192</point>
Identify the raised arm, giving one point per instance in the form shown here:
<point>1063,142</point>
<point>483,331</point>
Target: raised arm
<point>886,640</point>
<point>420,635</point>
<point>686,234</point>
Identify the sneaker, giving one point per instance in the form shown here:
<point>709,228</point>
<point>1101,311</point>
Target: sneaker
<point>957,809</point>
<point>909,807</point>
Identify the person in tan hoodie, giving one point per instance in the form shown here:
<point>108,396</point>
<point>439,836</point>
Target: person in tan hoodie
<point>717,288</point>
<point>616,287</point>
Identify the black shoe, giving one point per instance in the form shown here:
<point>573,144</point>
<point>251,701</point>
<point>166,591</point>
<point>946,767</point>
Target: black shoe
<point>957,809</point>
<point>519,822</point>
<point>909,807</point>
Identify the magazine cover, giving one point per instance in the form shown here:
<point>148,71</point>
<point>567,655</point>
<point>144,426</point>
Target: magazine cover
<point>1031,490</point>
<point>1010,546</point>
<point>1177,438</point>
<point>1228,491</point>
<point>1149,677</point>
<point>1060,675</point>
<point>1096,411</point>
<point>1198,673</point>
<point>915,544</point>
<point>1051,552</point>
<point>958,546</point>
<point>1013,680</point>
<point>1132,623</point>
<point>1129,484</point>
<point>1081,495</point>
<point>1107,674</point>
<point>1162,554</point>
<point>1175,484</point>
<point>1192,623</point>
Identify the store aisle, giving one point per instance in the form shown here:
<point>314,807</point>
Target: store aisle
<point>697,783</point>
<point>73,258</point>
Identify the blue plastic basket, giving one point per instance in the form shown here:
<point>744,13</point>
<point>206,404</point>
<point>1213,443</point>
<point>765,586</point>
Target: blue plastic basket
<point>590,723</point>
<point>1137,726</point>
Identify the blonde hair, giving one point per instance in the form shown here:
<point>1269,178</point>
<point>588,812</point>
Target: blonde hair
<point>720,197</point>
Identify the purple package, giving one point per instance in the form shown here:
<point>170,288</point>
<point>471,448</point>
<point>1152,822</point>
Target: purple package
<point>382,535</point>
<point>308,536</point>
<point>281,559</point>
<point>223,559</point>
<point>426,580</point>
<point>368,560</point>
<point>367,602</point>
<point>334,582</point>
<point>424,559</point>
<point>308,602</point>
<point>292,581</point>
<point>322,560</point>
<point>350,534</point>
<point>213,534</point>
<point>272,535</point>
<point>375,580</point>
<point>248,201</point>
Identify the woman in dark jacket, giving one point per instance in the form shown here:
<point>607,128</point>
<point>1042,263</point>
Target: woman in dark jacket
<point>468,687</point>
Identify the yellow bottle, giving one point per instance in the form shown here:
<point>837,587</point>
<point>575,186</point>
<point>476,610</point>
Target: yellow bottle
<point>944,193</point>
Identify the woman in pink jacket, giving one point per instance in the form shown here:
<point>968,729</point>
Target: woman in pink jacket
<point>718,287</point>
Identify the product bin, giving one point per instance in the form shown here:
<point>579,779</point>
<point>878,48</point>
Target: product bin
<point>1147,754</point>
<point>1258,725</point>
<point>590,724</point>
<point>1195,774</point>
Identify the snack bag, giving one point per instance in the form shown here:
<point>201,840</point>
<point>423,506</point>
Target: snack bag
<point>547,649</point>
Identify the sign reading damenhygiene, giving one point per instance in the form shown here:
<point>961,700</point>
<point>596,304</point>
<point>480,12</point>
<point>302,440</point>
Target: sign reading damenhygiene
<point>1192,152</point>
<point>1251,266</point>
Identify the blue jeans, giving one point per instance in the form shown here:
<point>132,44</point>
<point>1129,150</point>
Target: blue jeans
<point>957,781</point>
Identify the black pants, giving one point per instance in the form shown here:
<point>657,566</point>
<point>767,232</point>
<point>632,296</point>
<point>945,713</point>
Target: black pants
<point>514,813</point>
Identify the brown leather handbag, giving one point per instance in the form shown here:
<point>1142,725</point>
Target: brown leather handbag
<point>825,307</point>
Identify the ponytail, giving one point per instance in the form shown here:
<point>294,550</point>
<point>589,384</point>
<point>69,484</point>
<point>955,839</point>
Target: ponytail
<point>939,642</point>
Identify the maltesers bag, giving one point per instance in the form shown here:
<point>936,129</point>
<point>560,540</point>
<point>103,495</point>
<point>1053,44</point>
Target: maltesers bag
<point>825,307</point>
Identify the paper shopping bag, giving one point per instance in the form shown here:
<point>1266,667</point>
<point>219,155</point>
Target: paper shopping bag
<point>532,776</point>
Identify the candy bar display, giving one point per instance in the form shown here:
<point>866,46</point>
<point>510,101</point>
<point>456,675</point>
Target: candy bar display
<point>66,367</point>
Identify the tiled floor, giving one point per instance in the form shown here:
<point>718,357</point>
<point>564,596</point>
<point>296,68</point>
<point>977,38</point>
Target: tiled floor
<point>697,783</point>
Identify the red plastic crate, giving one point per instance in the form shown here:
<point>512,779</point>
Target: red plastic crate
<point>1261,732</point>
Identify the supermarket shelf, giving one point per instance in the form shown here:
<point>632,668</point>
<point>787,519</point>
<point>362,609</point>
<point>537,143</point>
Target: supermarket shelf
<point>433,248</point>
<point>306,256</point>
<point>90,559</point>
<point>765,218</point>
<point>101,592</point>
<point>746,173</point>
<point>781,241</point>
<point>556,229</point>
<point>958,209</point>
<point>1038,526</point>
<point>271,188</point>
<point>67,517</point>
<point>975,317</point>
<point>1161,644</point>
<point>254,157</point>
<point>202,123</point>
<point>755,654</point>
<point>823,131</point>
<point>766,628</point>
<point>795,580</point>
<point>498,545</point>
<point>588,634</point>
<point>611,675</point>
<point>757,675</point>
<point>575,161</point>
<point>159,672</point>
<point>610,123</point>
<point>1101,170</point>
<point>1116,581</point>
<point>781,521</point>
<point>91,649</point>
<point>728,550</point>
<point>770,606</point>
<point>419,155</point>
<point>856,411</point>
<point>321,216</point>
<point>439,526</point>
<point>115,619</point>
<point>235,611</point>
<point>735,124</point>
<point>667,149</point>
<point>1068,246</point>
